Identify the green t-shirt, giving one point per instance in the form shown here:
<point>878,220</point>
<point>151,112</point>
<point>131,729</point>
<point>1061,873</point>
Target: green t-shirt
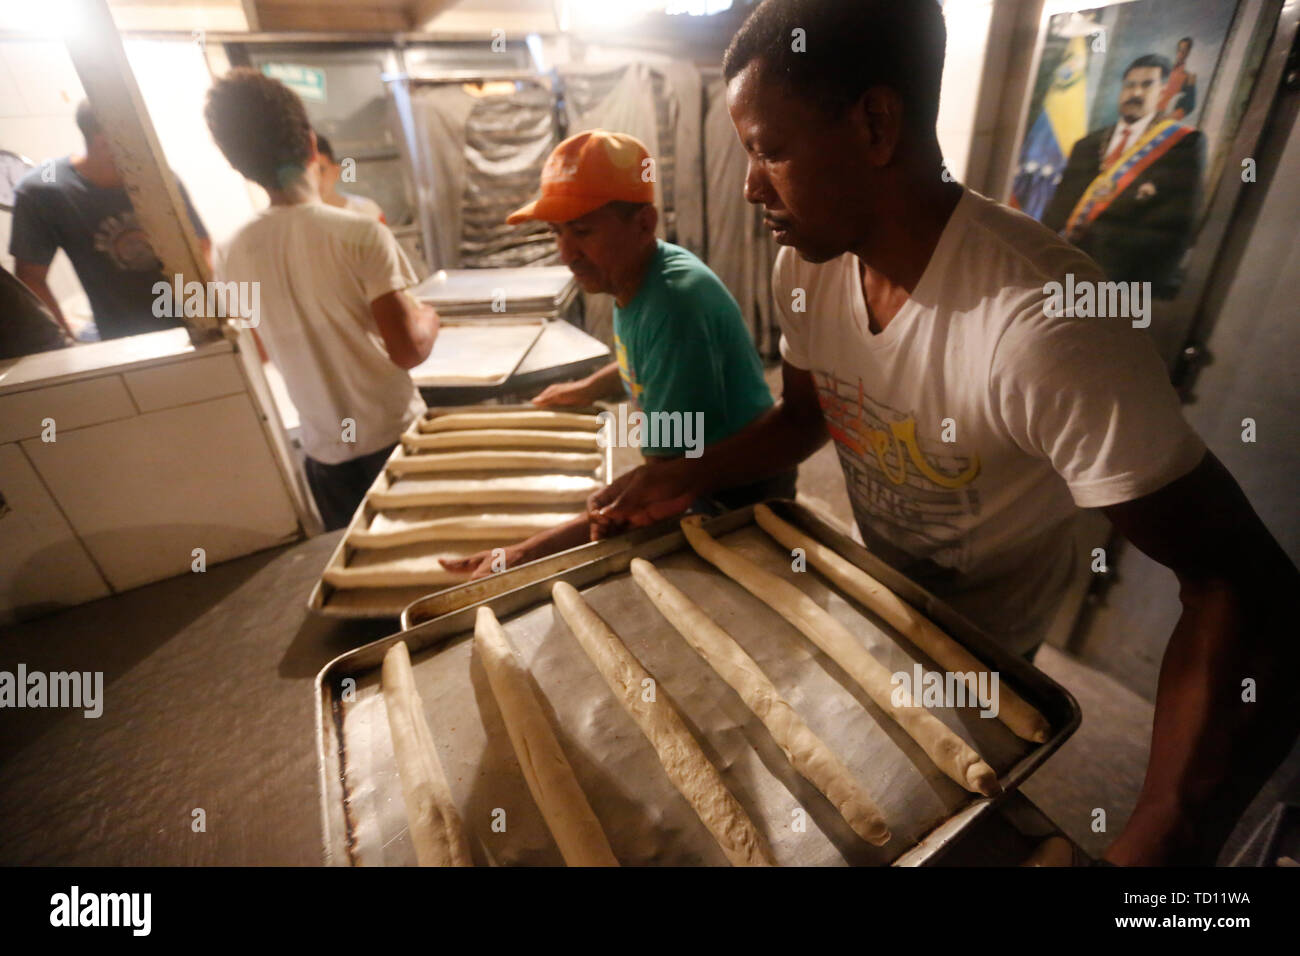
<point>683,347</point>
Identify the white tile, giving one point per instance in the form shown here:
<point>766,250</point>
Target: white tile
<point>73,405</point>
<point>182,383</point>
<point>144,492</point>
<point>42,565</point>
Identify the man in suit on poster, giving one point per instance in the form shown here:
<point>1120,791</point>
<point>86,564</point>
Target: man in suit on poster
<point>1130,191</point>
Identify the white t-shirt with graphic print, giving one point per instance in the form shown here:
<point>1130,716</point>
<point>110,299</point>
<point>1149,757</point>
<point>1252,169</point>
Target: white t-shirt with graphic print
<point>973,427</point>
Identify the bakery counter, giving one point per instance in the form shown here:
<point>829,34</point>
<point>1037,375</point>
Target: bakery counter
<point>99,488</point>
<point>208,705</point>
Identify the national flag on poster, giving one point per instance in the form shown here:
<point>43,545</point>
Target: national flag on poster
<point>1060,124</point>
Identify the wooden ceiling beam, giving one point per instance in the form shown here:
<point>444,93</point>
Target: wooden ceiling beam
<point>279,16</point>
<point>422,11</point>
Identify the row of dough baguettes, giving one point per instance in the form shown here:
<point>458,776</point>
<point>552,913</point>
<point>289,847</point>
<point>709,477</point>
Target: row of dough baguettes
<point>464,482</point>
<point>494,460</point>
<point>393,528</point>
<point>564,807</point>
<point>533,419</point>
<point>519,439</point>
<point>416,522</point>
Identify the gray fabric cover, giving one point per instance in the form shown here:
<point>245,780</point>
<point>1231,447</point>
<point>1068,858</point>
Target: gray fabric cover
<point>477,158</point>
<point>685,95</point>
<point>439,114</point>
<point>508,138</point>
<point>739,249</point>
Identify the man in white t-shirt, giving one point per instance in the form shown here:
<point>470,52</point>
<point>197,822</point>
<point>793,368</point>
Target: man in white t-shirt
<point>333,311</point>
<point>922,334</point>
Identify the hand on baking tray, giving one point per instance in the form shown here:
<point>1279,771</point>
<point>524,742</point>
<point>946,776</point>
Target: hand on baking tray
<point>658,489</point>
<point>564,395</point>
<point>488,561</point>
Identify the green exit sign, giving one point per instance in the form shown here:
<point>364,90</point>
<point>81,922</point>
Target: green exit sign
<point>307,81</point>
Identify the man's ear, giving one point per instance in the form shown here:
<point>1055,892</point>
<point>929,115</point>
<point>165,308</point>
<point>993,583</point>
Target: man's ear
<point>878,118</point>
<point>647,219</point>
<point>314,154</point>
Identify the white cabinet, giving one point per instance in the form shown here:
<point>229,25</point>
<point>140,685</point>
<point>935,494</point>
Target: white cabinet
<point>144,492</point>
<point>43,565</point>
<point>158,450</point>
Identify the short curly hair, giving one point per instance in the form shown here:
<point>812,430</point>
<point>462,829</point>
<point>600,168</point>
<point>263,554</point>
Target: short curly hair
<point>261,126</point>
<point>831,51</point>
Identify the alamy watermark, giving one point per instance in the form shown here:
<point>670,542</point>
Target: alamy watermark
<point>235,300</point>
<point>77,689</point>
<point>949,689</point>
<point>75,909</point>
<point>661,430</point>
<point>1086,299</point>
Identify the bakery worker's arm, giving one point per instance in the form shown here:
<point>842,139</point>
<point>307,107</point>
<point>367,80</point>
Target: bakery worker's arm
<point>407,327</point>
<point>33,242</point>
<point>1211,751</point>
<point>33,276</point>
<point>560,538</point>
<point>602,383</point>
<point>778,439</point>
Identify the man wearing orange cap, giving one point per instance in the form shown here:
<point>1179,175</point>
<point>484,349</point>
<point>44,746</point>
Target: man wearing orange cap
<point>682,345</point>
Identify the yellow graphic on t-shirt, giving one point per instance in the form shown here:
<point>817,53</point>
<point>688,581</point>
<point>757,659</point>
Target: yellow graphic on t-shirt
<point>625,370</point>
<point>904,436</point>
<point>857,435</point>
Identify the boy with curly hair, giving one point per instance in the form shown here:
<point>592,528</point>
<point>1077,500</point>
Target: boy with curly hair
<point>334,314</point>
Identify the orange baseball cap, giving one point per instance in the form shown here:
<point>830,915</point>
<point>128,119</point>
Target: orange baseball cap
<point>585,172</point>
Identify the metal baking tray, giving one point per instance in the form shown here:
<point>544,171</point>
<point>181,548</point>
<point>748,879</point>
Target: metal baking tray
<point>646,819</point>
<point>530,290</point>
<point>389,602</point>
<point>498,344</point>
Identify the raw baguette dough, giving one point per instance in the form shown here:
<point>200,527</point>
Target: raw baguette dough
<point>689,769</point>
<point>804,749</point>
<point>501,438</point>
<point>949,752</point>
<point>527,418</point>
<point>550,778</point>
<point>488,526</point>
<point>492,461</point>
<point>435,825</point>
<point>1013,710</point>
<point>419,492</point>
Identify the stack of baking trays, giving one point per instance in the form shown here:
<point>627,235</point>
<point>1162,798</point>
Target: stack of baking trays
<point>462,480</point>
<point>736,690</point>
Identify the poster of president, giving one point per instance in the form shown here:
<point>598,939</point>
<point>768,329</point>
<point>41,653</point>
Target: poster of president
<point>1114,156</point>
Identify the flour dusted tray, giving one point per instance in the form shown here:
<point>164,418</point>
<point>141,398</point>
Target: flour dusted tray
<point>478,351</point>
<point>646,819</point>
<point>373,574</point>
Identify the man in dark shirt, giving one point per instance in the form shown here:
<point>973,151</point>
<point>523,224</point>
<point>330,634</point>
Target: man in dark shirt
<point>80,205</point>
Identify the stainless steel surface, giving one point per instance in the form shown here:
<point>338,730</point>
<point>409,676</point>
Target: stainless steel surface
<point>430,606</point>
<point>480,352</point>
<point>539,290</point>
<point>390,602</point>
<point>562,353</point>
<point>646,819</point>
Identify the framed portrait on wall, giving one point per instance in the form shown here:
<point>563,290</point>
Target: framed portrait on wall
<point>1137,125</point>
<point>1119,148</point>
